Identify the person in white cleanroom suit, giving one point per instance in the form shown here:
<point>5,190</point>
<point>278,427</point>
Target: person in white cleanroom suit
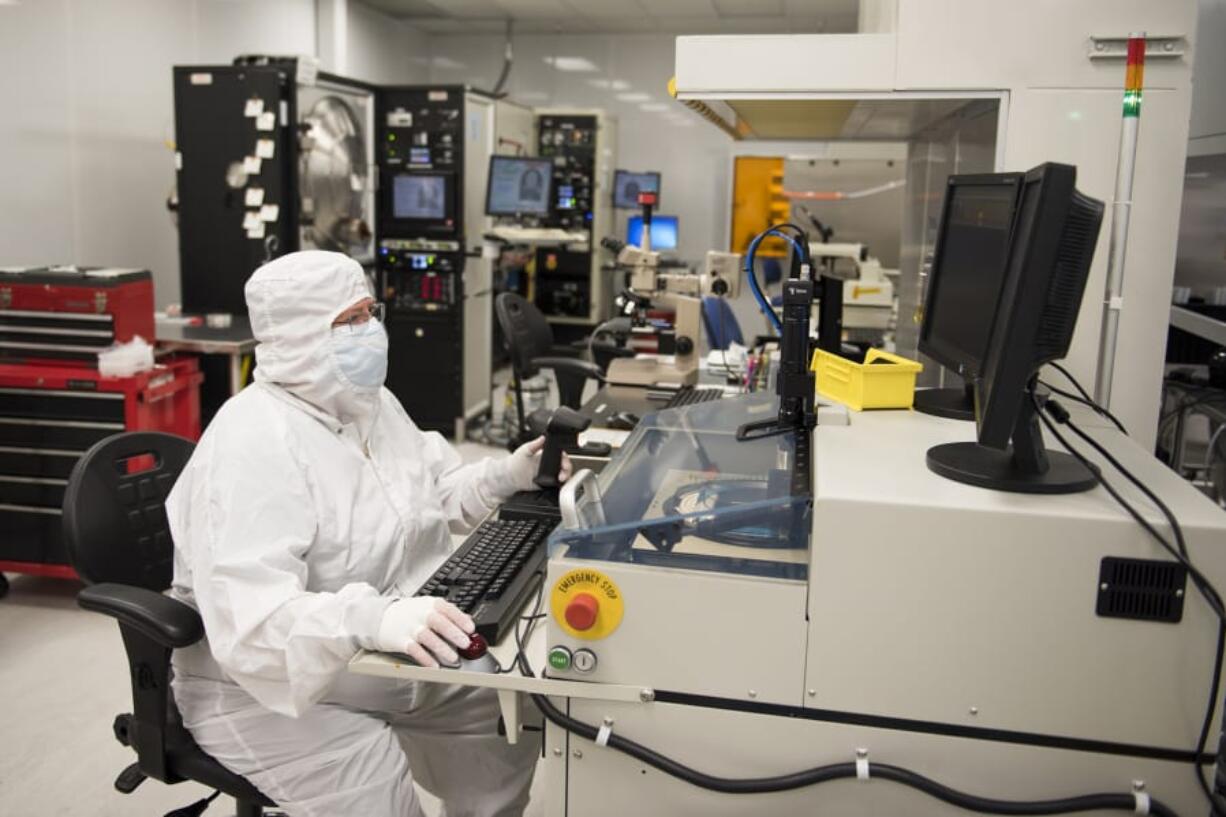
<point>308,515</point>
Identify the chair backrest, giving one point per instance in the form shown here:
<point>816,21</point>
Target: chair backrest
<point>115,527</point>
<point>525,332</point>
<point>722,325</point>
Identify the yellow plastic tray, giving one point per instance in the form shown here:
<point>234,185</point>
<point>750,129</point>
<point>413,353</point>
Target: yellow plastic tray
<point>867,385</point>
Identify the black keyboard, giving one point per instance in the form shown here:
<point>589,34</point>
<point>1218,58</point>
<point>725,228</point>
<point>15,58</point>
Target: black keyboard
<point>688,395</point>
<point>490,576</point>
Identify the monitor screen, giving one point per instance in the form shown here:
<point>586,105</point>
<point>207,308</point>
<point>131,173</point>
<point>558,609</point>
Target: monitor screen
<point>627,186</point>
<point>518,186</point>
<point>419,196</point>
<point>968,269</point>
<point>663,232</point>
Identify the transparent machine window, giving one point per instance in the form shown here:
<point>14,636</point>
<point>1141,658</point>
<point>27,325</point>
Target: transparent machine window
<point>683,492</point>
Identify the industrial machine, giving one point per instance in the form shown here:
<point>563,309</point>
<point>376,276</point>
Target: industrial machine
<point>739,611</point>
<point>569,286</point>
<point>271,157</point>
<point>435,144</point>
<point>680,291</point>
<point>868,288</point>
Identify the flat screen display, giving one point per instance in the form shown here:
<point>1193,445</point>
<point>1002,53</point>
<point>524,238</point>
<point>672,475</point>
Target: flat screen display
<point>663,232</point>
<point>627,186</point>
<point>968,271</point>
<point>518,186</point>
<point>419,196</point>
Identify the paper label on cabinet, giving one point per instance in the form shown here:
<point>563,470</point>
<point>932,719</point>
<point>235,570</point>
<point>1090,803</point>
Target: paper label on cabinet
<point>254,107</point>
<point>257,231</point>
<point>251,219</point>
<point>255,196</point>
<point>265,148</point>
<point>269,212</point>
<point>251,165</point>
<point>202,79</point>
<point>266,121</point>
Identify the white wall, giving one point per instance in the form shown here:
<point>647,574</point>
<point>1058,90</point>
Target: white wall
<point>88,114</point>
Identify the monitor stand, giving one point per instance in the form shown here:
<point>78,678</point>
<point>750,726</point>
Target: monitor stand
<point>1025,467</point>
<point>954,404</point>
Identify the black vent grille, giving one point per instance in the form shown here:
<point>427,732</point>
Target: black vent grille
<point>1068,281</point>
<point>1142,589</point>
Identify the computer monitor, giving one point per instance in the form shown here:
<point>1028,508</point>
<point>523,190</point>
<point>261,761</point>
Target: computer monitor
<point>968,268</point>
<point>419,196</point>
<point>628,185</point>
<point>1050,250</point>
<point>663,232</point>
<point>518,186</point>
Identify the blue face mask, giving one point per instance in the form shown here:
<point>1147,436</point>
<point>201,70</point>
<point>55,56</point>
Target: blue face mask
<point>360,351</point>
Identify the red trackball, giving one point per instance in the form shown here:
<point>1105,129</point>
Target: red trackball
<point>475,649</point>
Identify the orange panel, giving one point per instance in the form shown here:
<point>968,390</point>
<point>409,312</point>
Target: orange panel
<point>757,202</point>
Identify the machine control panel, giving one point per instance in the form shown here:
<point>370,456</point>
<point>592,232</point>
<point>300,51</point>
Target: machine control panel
<point>420,150</point>
<point>570,141</point>
<point>416,281</point>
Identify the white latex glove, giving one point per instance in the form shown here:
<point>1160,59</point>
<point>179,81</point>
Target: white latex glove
<point>421,628</point>
<point>521,466</point>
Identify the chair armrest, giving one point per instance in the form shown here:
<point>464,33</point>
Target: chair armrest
<point>570,365</point>
<point>166,621</point>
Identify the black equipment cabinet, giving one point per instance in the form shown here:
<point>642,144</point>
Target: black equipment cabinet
<point>217,144</point>
<point>420,138</point>
<point>271,158</point>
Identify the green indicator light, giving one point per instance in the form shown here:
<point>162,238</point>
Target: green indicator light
<point>559,658</point>
<point>391,137</point>
<point>1132,103</point>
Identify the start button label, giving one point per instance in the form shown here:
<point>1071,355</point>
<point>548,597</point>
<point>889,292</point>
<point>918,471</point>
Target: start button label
<point>586,604</point>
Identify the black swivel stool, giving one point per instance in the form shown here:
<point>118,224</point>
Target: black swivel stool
<point>118,540</point>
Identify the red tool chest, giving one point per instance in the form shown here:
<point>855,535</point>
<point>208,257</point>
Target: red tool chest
<point>68,314</point>
<point>54,404</point>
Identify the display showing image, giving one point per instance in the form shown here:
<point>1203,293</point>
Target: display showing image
<point>419,197</point>
<point>518,186</point>
<point>627,186</point>
<point>663,232</point>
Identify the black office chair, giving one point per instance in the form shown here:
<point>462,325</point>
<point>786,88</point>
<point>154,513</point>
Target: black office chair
<point>118,541</point>
<point>529,341</point>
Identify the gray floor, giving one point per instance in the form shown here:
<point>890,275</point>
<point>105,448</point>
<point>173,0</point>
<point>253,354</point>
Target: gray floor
<point>63,678</point>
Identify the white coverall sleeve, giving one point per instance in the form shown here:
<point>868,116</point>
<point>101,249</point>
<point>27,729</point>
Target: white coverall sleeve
<point>250,519</point>
<point>469,492</point>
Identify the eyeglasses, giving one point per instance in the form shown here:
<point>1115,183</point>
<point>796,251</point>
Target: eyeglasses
<point>375,310</point>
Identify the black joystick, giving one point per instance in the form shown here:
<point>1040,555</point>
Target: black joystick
<point>561,428</point>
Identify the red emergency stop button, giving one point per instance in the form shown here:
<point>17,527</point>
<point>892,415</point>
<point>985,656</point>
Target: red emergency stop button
<point>581,611</point>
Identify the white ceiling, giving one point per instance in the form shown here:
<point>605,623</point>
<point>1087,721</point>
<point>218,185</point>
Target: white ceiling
<point>625,16</point>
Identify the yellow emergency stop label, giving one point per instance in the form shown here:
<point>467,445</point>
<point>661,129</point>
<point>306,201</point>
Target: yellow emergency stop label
<point>599,588</point>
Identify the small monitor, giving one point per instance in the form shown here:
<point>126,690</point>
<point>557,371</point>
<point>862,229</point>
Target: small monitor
<point>627,186</point>
<point>518,186</point>
<point>419,196</point>
<point>1051,247</point>
<point>968,268</point>
<point>663,232</point>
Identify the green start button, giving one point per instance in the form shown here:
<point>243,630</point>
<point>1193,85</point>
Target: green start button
<point>559,658</point>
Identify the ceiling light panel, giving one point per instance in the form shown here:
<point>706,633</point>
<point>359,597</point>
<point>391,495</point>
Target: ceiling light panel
<point>576,64</point>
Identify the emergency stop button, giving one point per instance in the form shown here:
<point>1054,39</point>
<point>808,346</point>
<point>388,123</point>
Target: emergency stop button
<point>581,611</point>
<point>586,604</point>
